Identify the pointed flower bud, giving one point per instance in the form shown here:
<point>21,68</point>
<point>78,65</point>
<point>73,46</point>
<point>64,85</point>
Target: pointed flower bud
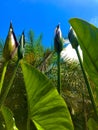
<point>58,40</point>
<point>21,47</point>
<point>11,44</point>
<point>73,38</point>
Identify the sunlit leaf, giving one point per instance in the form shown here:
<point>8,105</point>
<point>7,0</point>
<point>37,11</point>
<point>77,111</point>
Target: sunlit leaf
<point>38,126</point>
<point>87,35</point>
<point>46,107</point>
<point>9,119</point>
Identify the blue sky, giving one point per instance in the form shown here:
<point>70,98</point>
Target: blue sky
<point>42,16</point>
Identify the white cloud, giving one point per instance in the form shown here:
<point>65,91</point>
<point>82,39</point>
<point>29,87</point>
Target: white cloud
<point>70,53</point>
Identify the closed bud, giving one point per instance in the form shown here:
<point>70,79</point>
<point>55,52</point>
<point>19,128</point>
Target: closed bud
<point>11,44</point>
<point>21,47</point>
<point>58,40</point>
<point>73,38</point>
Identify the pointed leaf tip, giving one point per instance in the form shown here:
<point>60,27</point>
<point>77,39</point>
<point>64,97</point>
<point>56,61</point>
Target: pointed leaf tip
<point>11,26</point>
<point>23,32</point>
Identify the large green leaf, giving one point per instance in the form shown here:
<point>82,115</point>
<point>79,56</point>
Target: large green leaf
<point>87,35</point>
<point>9,119</point>
<point>46,108</point>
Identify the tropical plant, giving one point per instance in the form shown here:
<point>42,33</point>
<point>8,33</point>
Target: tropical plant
<point>29,99</point>
<point>41,108</point>
<point>87,35</point>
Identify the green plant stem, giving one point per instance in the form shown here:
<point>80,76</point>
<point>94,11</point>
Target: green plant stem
<point>87,83</point>
<point>3,75</point>
<point>59,77</point>
<point>9,86</point>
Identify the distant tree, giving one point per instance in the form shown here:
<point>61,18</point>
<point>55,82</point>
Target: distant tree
<point>31,36</point>
<point>34,49</point>
<point>38,47</point>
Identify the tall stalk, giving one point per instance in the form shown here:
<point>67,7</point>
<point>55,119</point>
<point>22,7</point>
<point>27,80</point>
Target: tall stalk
<point>58,46</point>
<point>9,86</point>
<point>87,83</point>
<point>3,75</point>
<point>58,74</point>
